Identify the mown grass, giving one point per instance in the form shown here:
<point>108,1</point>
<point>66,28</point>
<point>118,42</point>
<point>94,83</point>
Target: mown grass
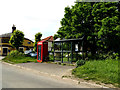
<point>19,59</point>
<point>106,71</point>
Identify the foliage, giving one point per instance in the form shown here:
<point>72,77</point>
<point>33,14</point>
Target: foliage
<point>18,57</point>
<point>98,22</point>
<point>55,36</point>
<point>15,53</point>
<point>37,39</point>
<point>80,63</point>
<point>107,24</point>
<point>109,55</point>
<point>22,51</point>
<point>105,71</point>
<point>51,58</point>
<point>17,39</point>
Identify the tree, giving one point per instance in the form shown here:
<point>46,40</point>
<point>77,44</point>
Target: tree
<point>97,21</point>
<point>78,22</point>
<point>107,24</point>
<point>16,39</point>
<point>37,39</point>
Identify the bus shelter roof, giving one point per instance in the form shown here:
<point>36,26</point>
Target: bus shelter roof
<point>69,40</point>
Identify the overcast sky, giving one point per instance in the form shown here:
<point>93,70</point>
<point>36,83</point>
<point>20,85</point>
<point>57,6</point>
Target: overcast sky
<point>32,16</point>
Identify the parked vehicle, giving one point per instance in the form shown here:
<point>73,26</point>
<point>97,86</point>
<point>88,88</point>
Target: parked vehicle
<point>30,53</point>
<point>33,54</point>
<point>27,51</point>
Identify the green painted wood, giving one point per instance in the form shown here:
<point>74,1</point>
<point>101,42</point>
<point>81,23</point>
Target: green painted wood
<point>71,52</point>
<point>54,51</point>
<point>62,52</point>
<point>39,52</point>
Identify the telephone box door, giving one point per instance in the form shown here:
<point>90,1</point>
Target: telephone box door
<point>39,52</point>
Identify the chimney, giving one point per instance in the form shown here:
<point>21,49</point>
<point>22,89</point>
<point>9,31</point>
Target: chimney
<point>13,28</point>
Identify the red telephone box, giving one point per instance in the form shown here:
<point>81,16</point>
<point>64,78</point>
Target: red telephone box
<point>42,51</point>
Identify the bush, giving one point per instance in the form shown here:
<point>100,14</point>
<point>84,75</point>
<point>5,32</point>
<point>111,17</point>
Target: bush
<point>18,57</point>
<point>109,55</point>
<point>80,63</point>
<point>51,58</point>
<point>21,51</point>
<point>16,53</point>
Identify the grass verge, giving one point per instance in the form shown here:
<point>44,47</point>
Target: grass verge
<point>23,59</point>
<point>105,71</point>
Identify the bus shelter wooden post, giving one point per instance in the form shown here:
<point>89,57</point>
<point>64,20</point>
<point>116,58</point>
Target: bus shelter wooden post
<point>71,52</point>
<point>62,52</point>
<point>54,51</point>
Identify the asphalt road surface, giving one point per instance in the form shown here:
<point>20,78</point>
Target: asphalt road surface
<point>13,77</point>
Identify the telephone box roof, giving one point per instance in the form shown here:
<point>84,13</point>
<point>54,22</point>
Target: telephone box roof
<point>42,41</point>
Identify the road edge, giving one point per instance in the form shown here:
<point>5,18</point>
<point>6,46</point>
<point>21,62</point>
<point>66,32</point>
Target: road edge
<point>52,75</point>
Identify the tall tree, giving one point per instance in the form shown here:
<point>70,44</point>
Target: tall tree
<point>107,25</point>
<point>97,21</point>
<point>17,39</point>
<point>78,22</point>
<point>37,39</point>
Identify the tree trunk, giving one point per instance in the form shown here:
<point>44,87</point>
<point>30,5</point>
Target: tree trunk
<point>17,48</point>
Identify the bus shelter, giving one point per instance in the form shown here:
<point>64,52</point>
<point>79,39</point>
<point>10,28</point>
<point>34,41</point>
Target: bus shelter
<point>69,46</point>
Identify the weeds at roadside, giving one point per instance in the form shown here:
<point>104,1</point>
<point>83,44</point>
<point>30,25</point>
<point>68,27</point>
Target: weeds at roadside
<point>105,71</point>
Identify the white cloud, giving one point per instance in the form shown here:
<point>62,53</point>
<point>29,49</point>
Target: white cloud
<point>32,16</point>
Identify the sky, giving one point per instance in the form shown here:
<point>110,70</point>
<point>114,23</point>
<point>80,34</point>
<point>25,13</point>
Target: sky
<point>32,16</point>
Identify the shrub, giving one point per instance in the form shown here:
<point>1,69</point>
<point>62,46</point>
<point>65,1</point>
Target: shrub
<point>51,58</point>
<point>21,51</point>
<point>15,53</point>
<point>80,63</point>
<point>109,55</point>
<point>18,57</point>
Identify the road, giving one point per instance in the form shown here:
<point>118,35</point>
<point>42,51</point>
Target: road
<point>13,77</point>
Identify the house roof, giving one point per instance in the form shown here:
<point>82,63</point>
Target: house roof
<point>6,35</point>
<point>10,34</point>
<point>50,39</point>
<point>29,40</point>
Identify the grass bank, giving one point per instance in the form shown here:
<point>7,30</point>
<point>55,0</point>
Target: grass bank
<point>18,57</point>
<point>105,71</point>
<point>14,60</point>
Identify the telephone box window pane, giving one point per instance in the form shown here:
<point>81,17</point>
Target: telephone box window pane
<point>39,52</point>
